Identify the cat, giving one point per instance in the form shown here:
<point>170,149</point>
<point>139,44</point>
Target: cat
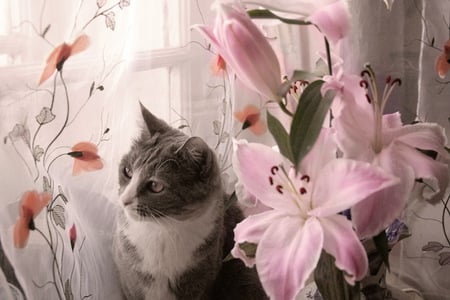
<point>175,228</point>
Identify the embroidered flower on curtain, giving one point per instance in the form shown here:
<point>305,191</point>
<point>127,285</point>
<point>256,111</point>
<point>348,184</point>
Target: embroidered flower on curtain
<point>60,54</point>
<point>85,158</point>
<point>31,205</point>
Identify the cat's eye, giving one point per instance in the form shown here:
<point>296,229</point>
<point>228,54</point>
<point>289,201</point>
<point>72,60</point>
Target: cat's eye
<point>127,172</point>
<point>155,186</point>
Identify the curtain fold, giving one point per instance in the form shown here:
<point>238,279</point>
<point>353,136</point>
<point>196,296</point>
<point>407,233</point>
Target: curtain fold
<point>406,43</point>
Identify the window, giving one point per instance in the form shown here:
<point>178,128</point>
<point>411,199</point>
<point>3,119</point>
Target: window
<point>148,39</point>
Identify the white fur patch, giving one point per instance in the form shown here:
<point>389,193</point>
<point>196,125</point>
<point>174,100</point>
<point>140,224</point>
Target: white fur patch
<point>167,245</point>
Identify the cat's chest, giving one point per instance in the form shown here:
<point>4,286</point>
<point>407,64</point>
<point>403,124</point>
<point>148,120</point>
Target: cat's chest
<point>167,248</point>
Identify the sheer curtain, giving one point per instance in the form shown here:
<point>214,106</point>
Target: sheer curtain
<point>63,134</point>
<point>144,51</point>
<point>406,43</point>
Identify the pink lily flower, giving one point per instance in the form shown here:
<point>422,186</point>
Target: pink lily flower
<point>304,214</point>
<point>365,134</point>
<point>332,20</point>
<point>245,49</point>
<point>347,86</point>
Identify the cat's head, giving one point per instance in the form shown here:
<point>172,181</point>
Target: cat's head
<point>167,173</point>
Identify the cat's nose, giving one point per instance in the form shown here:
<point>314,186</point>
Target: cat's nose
<point>126,199</point>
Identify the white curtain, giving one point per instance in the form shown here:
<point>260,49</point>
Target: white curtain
<point>141,51</point>
<point>137,51</point>
<point>406,43</point>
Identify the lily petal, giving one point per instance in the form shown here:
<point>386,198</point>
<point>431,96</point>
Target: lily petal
<point>424,136</point>
<point>332,20</point>
<point>323,151</point>
<point>247,45</point>
<point>348,181</point>
<point>355,141</point>
<point>287,255</point>
<point>245,49</point>
<point>250,230</point>
<point>426,168</point>
<point>253,163</point>
<point>379,210</point>
<point>341,241</point>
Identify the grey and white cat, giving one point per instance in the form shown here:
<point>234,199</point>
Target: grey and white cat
<point>174,229</point>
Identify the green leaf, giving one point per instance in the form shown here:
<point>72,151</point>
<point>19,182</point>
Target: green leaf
<point>248,248</point>
<point>382,246</point>
<point>302,75</point>
<point>321,69</point>
<point>267,14</point>
<point>280,135</point>
<point>308,120</point>
<point>331,281</point>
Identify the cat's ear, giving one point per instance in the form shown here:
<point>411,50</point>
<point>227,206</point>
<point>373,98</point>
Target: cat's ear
<point>199,155</point>
<point>153,123</point>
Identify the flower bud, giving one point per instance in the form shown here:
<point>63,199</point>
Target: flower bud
<point>245,50</point>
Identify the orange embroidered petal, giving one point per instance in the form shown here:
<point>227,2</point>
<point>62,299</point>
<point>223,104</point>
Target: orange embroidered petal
<point>248,110</point>
<point>52,60</point>
<point>80,44</point>
<point>86,158</point>
<point>250,118</point>
<point>61,53</point>
<point>86,166</point>
<point>35,202</point>
<point>85,147</point>
<point>258,128</point>
<point>443,61</point>
<point>218,65</point>
<point>31,205</point>
<point>21,233</point>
